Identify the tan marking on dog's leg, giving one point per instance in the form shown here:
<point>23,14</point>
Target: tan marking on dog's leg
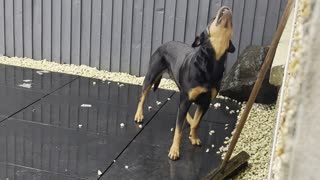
<point>139,114</point>
<point>214,93</point>
<point>189,119</point>
<point>175,147</point>
<point>194,138</point>
<point>195,92</point>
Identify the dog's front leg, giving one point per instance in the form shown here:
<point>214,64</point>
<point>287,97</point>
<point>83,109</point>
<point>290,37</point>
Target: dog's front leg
<point>182,112</point>
<point>194,123</point>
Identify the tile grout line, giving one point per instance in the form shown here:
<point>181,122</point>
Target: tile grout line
<point>1,121</point>
<point>152,117</point>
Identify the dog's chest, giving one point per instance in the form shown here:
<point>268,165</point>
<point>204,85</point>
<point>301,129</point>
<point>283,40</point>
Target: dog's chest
<point>194,94</point>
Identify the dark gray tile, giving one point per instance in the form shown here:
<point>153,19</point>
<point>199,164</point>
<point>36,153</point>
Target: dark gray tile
<point>15,172</point>
<point>13,100</point>
<point>11,76</point>
<point>68,152</point>
<point>147,156</point>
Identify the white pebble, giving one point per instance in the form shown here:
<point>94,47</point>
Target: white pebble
<point>227,108</point>
<point>211,132</point>
<point>80,125</point>
<point>126,167</point>
<point>238,111</point>
<point>122,125</point>
<point>158,103</point>
<point>27,80</point>
<point>212,145</point>
<point>226,128</point>
<point>121,85</point>
<point>216,105</point>
<point>149,108</point>
<point>218,152</point>
<point>114,160</point>
<point>168,99</point>
<point>226,125</point>
<point>232,112</point>
<point>207,150</point>
<point>94,83</point>
<point>108,82</point>
<point>99,173</point>
<point>86,105</point>
<point>25,85</point>
<point>140,125</point>
<point>171,129</point>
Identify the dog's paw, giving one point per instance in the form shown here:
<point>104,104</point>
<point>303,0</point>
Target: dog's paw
<point>195,141</point>
<point>138,117</point>
<point>174,153</point>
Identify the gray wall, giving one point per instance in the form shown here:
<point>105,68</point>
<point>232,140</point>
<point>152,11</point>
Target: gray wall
<point>120,35</point>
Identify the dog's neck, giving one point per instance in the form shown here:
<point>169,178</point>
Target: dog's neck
<point>205,56</point>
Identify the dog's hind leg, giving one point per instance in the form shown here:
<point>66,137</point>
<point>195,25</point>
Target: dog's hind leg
<point>182,112</point>
<point>153,77</point>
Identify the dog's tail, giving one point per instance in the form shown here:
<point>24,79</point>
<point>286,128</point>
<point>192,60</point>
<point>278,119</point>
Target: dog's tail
<point>156,83</point>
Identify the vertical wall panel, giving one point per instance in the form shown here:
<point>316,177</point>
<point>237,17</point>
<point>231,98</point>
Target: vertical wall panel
<point>259,22</point>
<point>180,20</point>
<point>66,31</point>
<point>37,29</point>
<point>56,30</point>
<point>203,15</point>
<point>191,21</point>
<point>46,29</point>
<point>136,37</point>
<point>146,34</point>
<point>116,35</point>
<point>76,31</point>
<point>158,17</point>
<point>247,24</point>
<point>105,57</point>
<point>2,29</point>
<point>9,27</point>
<point>169,20</point>
<point>120,35</point>
<point>27,28</point>
<point>271,21</point>
<point>237,26</point>
<point>18,28</point>
<point>85,32</point>
<point>126,36</point>
<point>95,33</point>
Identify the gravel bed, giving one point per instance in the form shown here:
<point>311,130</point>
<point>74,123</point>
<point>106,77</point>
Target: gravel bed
<point>256,138</point>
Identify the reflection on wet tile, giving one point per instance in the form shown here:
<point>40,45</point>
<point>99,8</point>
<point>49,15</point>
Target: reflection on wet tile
<point>13,100</point>
<point>62,151</point>
<point>14,172</point>
<point>105,114</point>
<point>11,76</point>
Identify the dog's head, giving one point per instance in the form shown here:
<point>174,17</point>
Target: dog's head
<point>218,33</point>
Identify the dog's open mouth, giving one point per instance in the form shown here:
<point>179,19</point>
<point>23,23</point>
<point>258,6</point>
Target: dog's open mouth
<point>224,11</point>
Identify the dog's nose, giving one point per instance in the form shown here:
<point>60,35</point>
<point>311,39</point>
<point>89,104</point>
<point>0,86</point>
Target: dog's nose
<point>225,8</point>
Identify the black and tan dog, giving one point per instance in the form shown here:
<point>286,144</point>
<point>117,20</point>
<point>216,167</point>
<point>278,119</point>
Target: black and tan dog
<point>196,71</point>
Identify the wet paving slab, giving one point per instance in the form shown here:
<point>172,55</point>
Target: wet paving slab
<point>67,127</point>
<point>59,136</point>
<point>147,156</point>
<point>21,87</point>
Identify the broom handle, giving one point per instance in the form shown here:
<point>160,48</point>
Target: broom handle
<point>266,64</point>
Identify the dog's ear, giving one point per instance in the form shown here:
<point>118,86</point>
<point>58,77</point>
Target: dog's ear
<point>199,40</point>
<point>196,42</point>
<point>231,48</point>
